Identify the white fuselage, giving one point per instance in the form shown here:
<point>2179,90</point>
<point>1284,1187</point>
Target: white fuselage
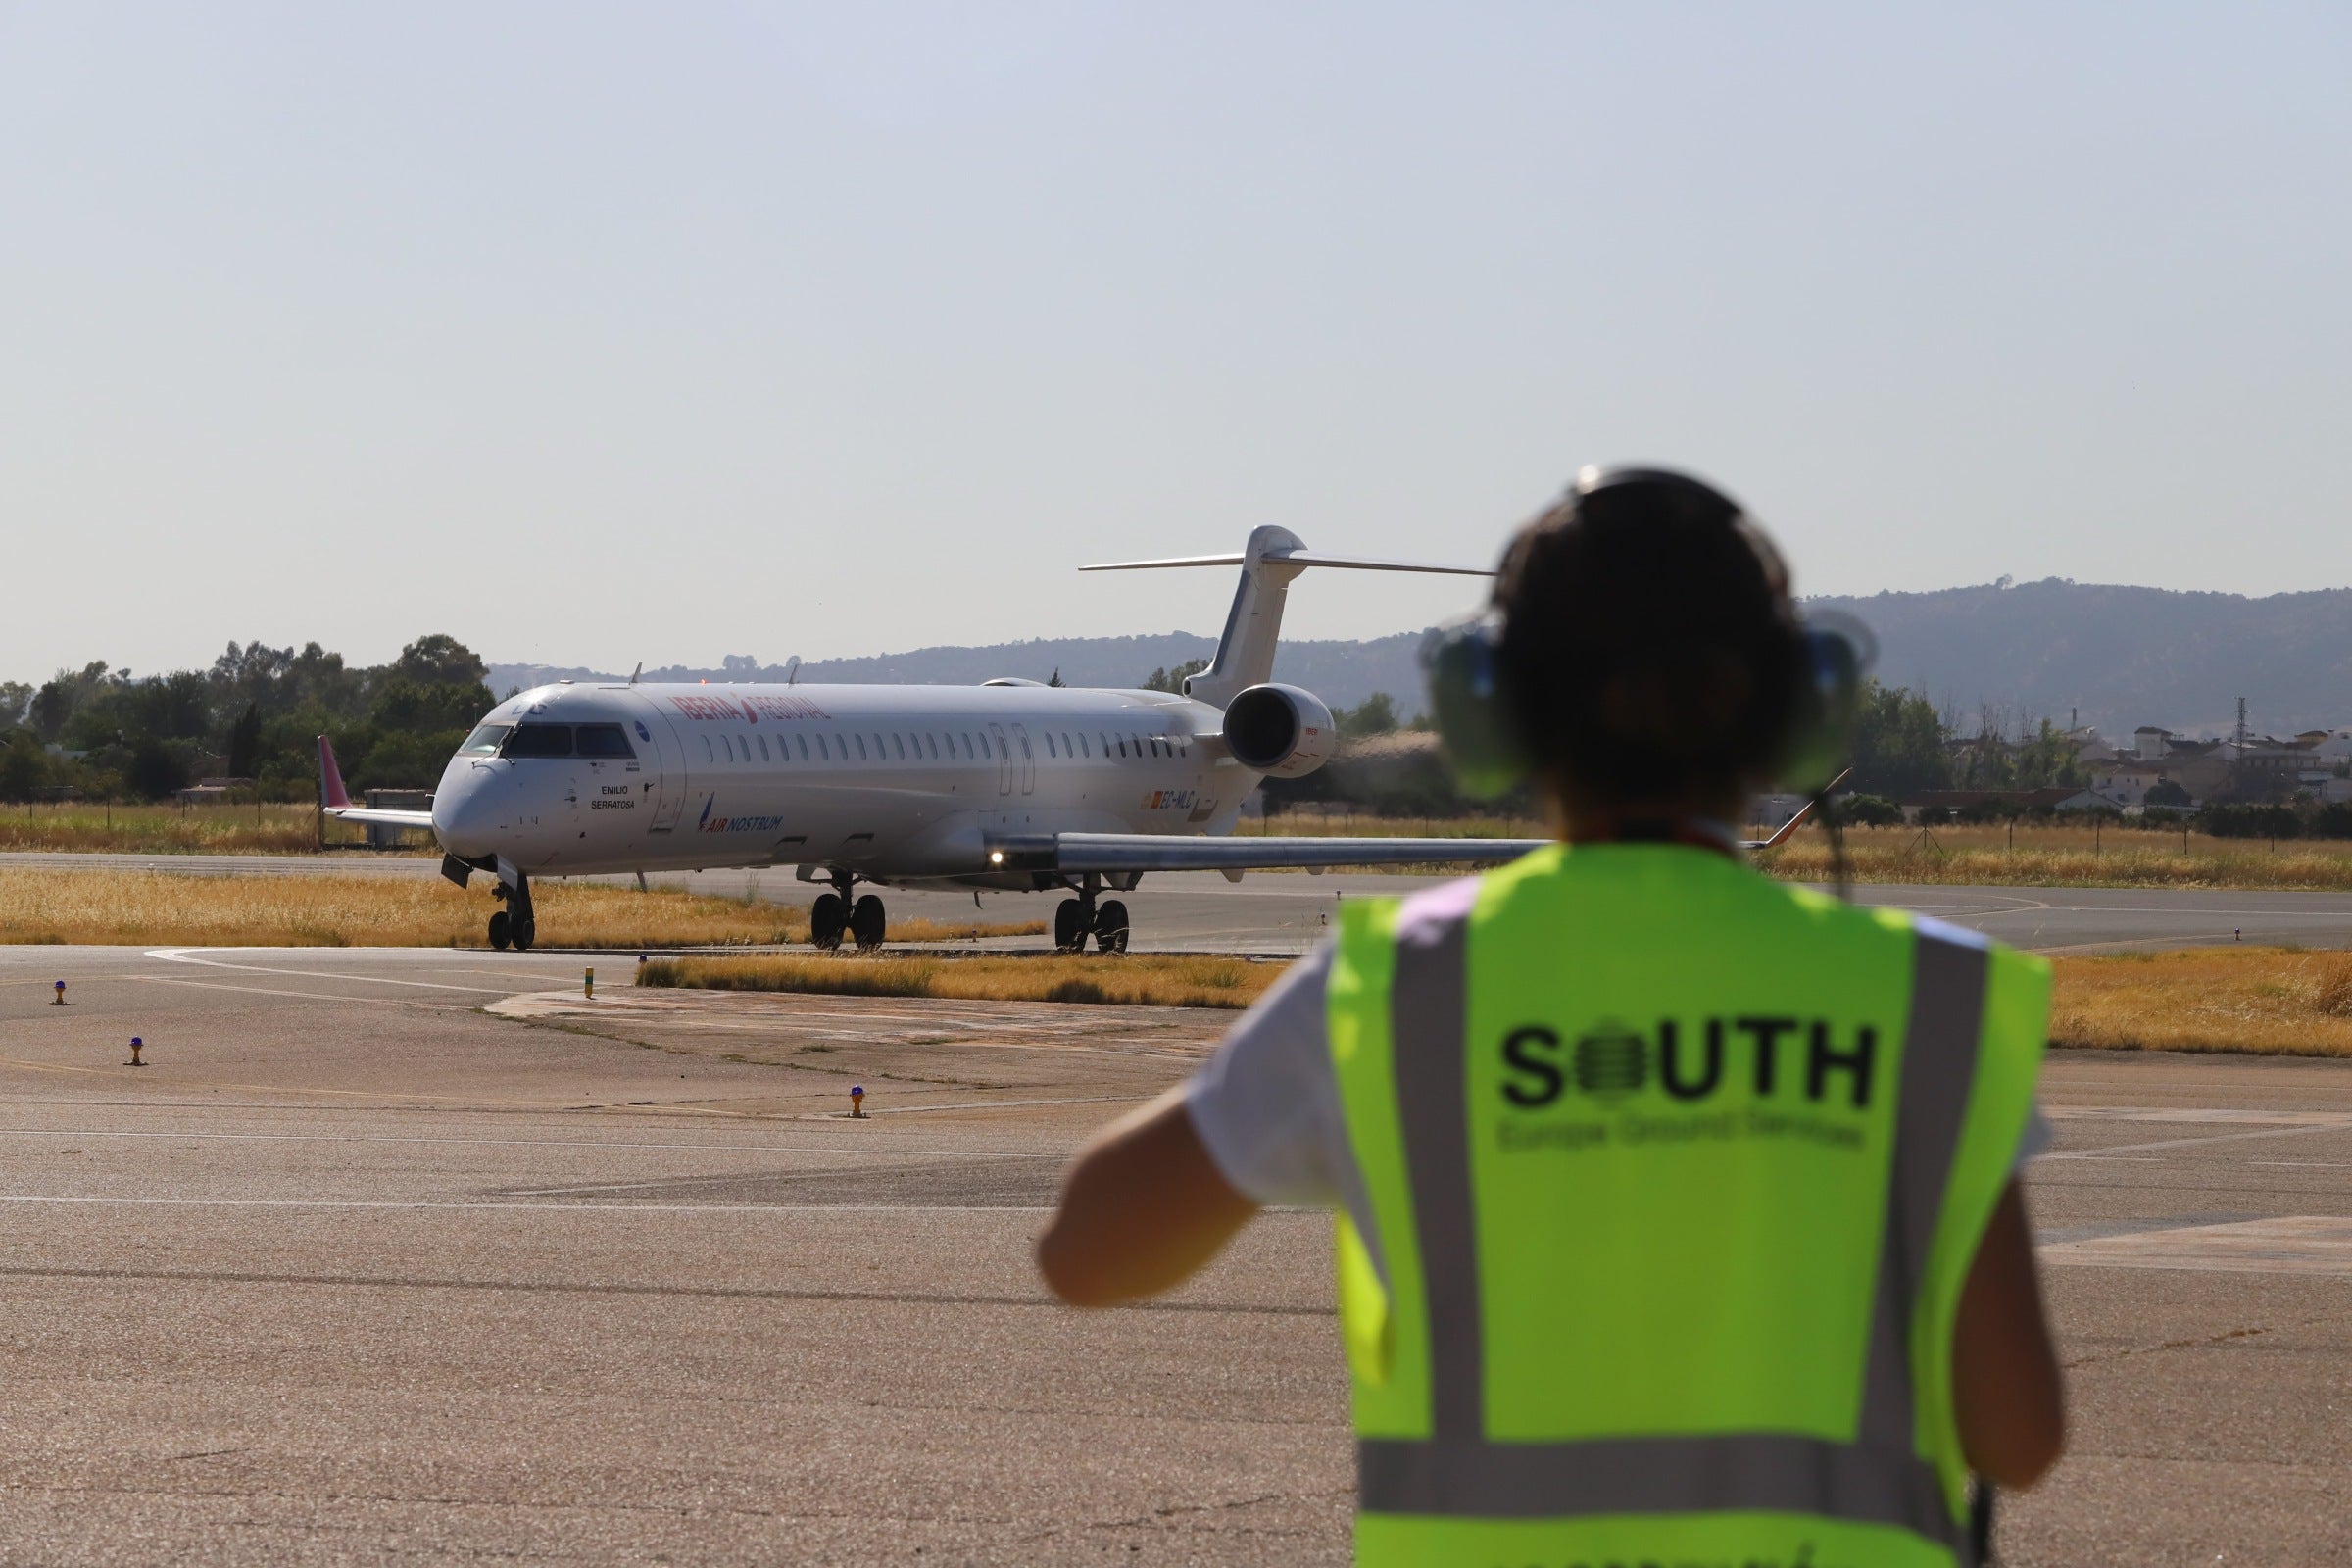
<point>899,784</point>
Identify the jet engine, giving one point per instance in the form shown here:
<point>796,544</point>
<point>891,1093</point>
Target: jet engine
<point>1279,730</point>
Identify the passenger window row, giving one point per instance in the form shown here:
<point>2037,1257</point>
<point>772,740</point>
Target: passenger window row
<point>906,745</point>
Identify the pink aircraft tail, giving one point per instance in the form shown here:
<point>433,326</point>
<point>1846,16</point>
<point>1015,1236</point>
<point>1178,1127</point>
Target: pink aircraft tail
<point>330,778</point>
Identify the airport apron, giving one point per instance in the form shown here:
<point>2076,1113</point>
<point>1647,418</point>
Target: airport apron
<point>1675,1175</point>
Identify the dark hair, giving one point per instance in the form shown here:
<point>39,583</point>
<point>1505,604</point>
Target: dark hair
<point>1650,649</point>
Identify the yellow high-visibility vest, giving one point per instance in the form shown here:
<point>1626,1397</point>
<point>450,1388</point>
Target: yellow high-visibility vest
<point>1675,1175</point>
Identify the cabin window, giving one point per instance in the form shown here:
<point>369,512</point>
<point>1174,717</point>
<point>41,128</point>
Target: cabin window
<point>899,746</point>
<point>1025,750</point>
<point>743,750</point>
<point>484,740</point>
<point>862,756</point>
<point>602,740</point>
<point>1067,749</point>
<point>824,753</point>
<point>763,756</point>
<point>804,740</point>
<point>881,751</point>
<point>1123,746</point>
<point>539,739</point>
<point>708,755</point>
<point>967,745</point>
<point>1050,752</point>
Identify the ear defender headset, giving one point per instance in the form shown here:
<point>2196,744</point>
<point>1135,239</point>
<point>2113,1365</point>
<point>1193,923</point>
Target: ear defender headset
<point>1481,732</point>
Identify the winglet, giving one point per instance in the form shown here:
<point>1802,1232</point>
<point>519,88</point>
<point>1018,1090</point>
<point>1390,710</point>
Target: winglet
<point>331,792</point>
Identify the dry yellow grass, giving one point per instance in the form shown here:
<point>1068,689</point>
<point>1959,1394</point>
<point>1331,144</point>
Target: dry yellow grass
<point>2265,1001</point>
<point>2066,857</point>
<point>84,827</point>
<point>149,908</point>
<point>1143,980</point>
<point>2036,855</point>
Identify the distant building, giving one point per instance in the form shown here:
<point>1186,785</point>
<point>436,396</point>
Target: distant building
<point>2127,784</point>
<point>2053,797</point>
<point>211,790</point>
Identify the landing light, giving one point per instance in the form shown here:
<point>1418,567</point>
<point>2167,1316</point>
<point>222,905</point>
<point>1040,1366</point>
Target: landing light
<point>996,856</point>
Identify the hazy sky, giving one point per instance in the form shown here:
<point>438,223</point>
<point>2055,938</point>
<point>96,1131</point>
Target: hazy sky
<point>598,333</point>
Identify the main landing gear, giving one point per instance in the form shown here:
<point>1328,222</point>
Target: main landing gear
<point>863,921</point>
<point>1075,919</point>
<point>513,926</point>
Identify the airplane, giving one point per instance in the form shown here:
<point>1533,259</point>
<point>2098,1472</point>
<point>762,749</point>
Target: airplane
<point>1010,784</point>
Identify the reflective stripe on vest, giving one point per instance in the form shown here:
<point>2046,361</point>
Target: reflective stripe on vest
<point>1890,1474</point>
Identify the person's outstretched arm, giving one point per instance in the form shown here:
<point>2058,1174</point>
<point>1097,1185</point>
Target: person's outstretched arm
<point>1143,1207</point>
<point>2007,1393</point>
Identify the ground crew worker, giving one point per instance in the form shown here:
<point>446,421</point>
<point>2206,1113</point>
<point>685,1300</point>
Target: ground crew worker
<point>1678,1220</point>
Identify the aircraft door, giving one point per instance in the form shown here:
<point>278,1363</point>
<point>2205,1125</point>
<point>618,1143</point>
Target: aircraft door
<point>1003,760</point>
<point>663,760</point>
<point>1027,760</point>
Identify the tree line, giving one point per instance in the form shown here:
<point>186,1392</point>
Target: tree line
<point>254,714</point>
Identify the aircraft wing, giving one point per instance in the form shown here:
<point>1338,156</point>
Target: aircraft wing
<point>1151,852</point>
<point>335,800</point>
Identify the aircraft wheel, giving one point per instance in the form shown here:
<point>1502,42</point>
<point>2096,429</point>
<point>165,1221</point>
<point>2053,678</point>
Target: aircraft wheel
<point>502,930</point>
<point>1069,927</point>
<point>525,931</point>
<point>827,920</point>
<point>1111,926</point>
<point>867,923</point>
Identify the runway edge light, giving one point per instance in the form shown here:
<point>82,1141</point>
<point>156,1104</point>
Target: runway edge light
<point>857,1101</point>
<point>137,1046</point>
<point>60,995</point>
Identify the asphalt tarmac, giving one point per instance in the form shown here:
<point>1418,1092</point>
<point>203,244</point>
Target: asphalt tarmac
<point>1286,914</point>
<point>426,1257</point>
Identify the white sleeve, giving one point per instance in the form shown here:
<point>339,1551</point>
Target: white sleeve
<point>1267,1104</point>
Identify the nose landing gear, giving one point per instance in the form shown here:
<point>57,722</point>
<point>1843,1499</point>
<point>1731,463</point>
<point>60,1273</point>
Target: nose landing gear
<point>513,926</point>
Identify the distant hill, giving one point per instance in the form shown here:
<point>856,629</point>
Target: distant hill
<point>2121,657</point>
<point>1342,673</point>
<point>2125,657</point>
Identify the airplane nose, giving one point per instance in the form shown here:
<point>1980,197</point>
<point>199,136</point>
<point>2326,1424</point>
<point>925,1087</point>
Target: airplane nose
<point>465,812</point>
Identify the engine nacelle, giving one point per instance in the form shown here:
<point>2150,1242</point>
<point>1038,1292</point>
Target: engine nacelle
<point>1280,730</point>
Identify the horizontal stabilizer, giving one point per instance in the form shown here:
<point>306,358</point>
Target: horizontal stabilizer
<point>1295,558</point>
<point>381,816</point>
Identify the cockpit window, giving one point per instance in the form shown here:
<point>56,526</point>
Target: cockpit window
<point>539,739</point>
<point>483,742</point>
<point>602,740</point>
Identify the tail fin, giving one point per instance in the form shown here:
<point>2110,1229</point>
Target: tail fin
<point>1273,557</point>
<point>331,792</point>
<point>1802,813</point>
